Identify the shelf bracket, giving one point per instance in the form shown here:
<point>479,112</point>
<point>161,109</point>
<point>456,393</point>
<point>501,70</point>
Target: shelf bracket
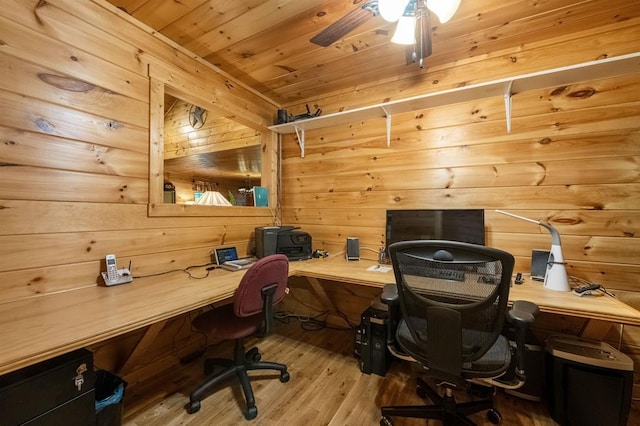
<point>507,104</point>
<point>300,136</point>
<point>386,113</point>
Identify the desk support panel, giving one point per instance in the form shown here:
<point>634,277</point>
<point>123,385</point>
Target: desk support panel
<point>322,296</point>
<point>141,347</point>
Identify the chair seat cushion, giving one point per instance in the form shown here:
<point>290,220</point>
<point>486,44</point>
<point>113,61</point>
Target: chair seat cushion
<point>492,364</point>
<point>222,323</point>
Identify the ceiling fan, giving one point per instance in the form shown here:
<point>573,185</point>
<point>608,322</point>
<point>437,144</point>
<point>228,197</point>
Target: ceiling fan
<point>413,28</point>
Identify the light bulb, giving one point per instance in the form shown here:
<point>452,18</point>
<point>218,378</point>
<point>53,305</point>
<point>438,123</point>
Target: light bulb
<point>392,10</point>
<point>405,31</point>
<point>444,9</point>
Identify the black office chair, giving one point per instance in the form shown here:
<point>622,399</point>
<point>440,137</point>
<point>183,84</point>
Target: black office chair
<point>262,286</point>
<point>453,303</point>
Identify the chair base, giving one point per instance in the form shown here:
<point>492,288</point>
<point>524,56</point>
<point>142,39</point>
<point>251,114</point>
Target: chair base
<point>239,366</point>
<point>444,408</point>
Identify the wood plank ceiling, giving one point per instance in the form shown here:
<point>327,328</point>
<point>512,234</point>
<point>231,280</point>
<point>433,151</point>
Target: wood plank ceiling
<point>265,43</point>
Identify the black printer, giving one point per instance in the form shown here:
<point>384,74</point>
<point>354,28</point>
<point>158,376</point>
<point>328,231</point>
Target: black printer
<point>296,245</point>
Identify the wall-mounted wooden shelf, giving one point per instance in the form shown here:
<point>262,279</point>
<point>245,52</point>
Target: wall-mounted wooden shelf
<point>507,87</point>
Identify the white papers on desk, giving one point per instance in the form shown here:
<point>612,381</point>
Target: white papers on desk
<point>379,268</point>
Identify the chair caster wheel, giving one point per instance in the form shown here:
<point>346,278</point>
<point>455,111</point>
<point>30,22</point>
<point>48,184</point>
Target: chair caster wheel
<point>252,413</point>
<point>193,407</point>
<point>253,355</point>
<point>284,377</point>
<point>386,421</point>
<point>494,416</point>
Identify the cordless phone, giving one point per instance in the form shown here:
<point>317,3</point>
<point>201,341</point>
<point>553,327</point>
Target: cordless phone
<point>114,275</point>
<point>112,268</point>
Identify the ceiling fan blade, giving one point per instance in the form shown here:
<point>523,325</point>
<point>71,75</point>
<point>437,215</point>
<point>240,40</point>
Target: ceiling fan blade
<point>342,27</point>
<point>423,47</point>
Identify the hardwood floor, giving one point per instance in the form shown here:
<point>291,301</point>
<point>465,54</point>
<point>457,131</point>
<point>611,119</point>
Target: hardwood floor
<point>326,388</point>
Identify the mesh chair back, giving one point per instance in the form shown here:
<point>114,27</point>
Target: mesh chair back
<point>268,270</point>
<point>453,298</point>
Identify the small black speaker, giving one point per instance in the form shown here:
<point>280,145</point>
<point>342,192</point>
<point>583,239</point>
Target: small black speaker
<point>282,116</point>
<point>353,248</point>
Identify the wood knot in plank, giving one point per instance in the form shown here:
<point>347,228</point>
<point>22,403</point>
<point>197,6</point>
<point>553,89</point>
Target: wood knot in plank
<point>568,220</point>
<point>45,125</point>
<point>542,178</point>
<point>558,91</point>
<point>41,4</point>
<point>66,83</point>
<point>114,125</point>
<point>286,68</point>
<point>583,94</point>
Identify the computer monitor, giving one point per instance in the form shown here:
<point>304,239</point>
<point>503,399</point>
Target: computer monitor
<point>464,225</point>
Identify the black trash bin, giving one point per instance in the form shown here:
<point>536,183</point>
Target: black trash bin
<point>109,390</point>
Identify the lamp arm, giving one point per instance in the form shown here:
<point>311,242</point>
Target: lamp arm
<point>555,236</point>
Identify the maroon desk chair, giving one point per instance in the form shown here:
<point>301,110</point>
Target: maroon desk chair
<point>262,286</point>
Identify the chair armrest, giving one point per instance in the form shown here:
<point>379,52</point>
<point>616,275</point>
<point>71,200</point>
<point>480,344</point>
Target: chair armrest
<point>389,294</point>
<point>522,315</point>
<point>390,298</point>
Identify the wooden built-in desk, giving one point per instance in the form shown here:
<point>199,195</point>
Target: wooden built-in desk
<point>601,311</point>
<point>39,328</point>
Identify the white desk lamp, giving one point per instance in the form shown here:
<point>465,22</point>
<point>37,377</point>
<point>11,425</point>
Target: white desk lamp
<point>555,278</point>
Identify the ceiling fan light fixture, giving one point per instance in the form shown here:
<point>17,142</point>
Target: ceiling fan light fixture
<point>405,31</point>
<point>444,9</point>
<point>392,10</point>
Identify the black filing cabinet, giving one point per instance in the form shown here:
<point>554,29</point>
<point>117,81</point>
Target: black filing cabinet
<point>55,392</point>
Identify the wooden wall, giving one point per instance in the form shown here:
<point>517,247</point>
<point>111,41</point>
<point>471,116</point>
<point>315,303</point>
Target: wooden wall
<point>74,158</point>
<point>572,159</point>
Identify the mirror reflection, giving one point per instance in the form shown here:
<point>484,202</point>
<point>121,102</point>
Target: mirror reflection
<point>208,158</point>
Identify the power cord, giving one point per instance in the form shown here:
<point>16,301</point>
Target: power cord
<point>185,270</point>
<point>307,323</point>
<point>316,321</point>
<point>581,282</point>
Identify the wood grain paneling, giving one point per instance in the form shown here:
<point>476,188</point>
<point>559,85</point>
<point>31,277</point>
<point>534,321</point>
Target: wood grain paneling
<point>37,116</point>
<point>54,86</point>
<point>76,97</point>
<point>74,90</point>
<point>46,151</point>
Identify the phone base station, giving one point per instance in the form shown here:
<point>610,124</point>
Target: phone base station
<point>124,277</point>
